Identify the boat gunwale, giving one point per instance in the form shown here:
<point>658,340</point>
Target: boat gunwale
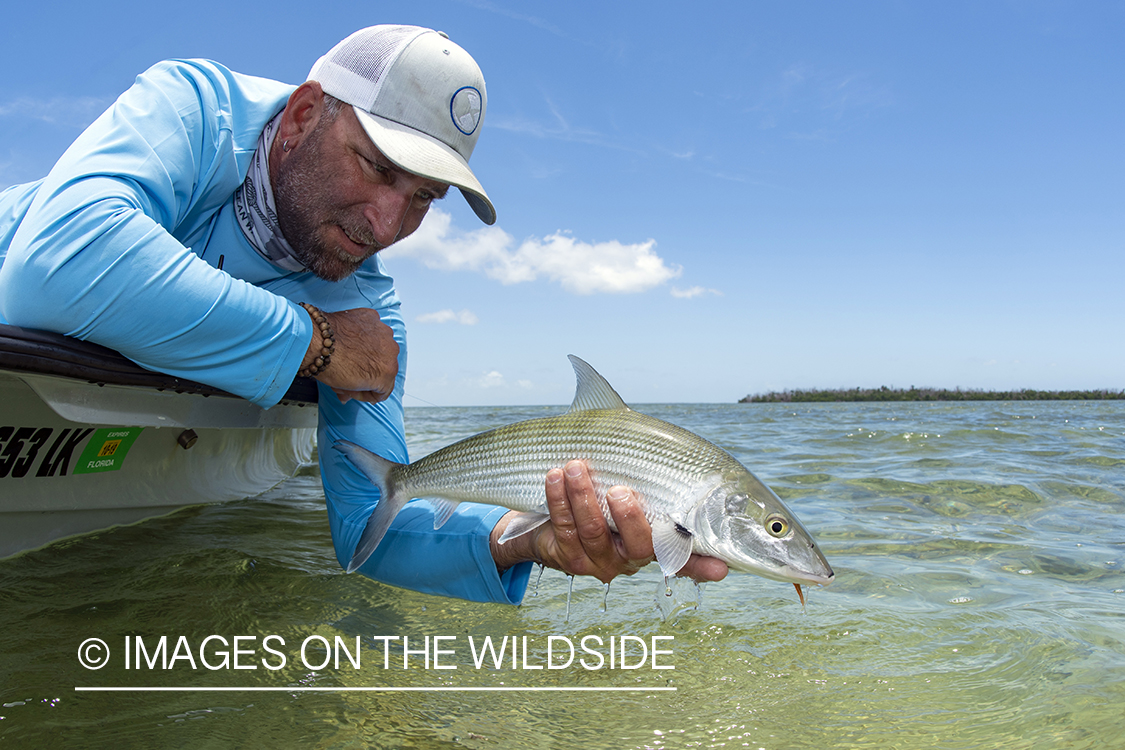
<point>43,352</point>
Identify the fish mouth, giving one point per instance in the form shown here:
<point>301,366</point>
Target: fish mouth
<point>820,575</point>
<point>796,577</point>
<point>816,580</point>
<point>784,573</point>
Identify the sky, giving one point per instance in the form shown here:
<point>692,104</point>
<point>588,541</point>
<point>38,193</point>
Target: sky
<point>704,203</point>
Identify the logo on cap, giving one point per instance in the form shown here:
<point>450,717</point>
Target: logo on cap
<point>464,108</point>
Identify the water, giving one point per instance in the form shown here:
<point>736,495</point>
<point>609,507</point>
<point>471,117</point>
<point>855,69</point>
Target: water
<point>979,602</point>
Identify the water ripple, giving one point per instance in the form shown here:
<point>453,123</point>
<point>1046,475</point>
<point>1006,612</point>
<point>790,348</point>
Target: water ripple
<point>979,602</point>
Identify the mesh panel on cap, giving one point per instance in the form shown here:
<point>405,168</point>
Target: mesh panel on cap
<point>370,54</point>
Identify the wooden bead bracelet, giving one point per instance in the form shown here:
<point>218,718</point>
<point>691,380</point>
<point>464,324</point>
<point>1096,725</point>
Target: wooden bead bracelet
<point>327,342</point>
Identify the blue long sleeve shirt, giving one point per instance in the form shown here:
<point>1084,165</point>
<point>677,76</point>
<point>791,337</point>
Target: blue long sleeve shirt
<point>120,245</point>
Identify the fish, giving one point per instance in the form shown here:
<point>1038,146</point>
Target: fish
<point>696,496</point>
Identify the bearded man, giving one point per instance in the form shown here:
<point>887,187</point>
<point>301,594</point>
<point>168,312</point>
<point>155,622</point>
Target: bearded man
<point>225,229</point>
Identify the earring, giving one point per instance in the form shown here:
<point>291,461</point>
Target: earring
<point>285,145</point>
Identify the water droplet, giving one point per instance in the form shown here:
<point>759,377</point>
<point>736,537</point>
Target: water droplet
<point>535,588</point>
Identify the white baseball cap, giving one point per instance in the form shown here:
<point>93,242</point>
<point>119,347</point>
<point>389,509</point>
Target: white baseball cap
<point>419,96</point>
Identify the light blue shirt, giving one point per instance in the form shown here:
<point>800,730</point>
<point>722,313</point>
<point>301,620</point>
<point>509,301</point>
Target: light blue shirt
<point>120,245</point>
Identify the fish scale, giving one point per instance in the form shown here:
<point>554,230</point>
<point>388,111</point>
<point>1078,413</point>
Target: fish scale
<point>508,464</point>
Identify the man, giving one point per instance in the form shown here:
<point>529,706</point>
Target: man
<point>224,228</point>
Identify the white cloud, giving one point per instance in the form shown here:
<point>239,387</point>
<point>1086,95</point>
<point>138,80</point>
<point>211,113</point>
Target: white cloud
<point>491,380</point>
<point>579,267</point>
<point>465,317</point>
<point>496,379</point>
<point>695,291</point>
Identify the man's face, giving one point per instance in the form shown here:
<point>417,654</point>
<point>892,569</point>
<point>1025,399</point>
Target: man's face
<point>340,201</point>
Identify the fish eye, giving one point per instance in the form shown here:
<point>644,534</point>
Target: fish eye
<point>777,526</point>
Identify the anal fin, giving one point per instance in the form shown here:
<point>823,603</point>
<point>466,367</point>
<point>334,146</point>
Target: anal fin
<point>443,509</point>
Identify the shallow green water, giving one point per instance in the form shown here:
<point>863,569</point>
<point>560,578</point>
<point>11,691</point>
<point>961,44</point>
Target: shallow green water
<point>979,602</point>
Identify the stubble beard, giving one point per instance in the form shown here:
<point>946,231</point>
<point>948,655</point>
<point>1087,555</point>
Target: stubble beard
<point>304,213</point>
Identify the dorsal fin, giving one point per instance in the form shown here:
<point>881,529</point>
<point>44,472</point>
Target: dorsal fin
<point>593,392</point>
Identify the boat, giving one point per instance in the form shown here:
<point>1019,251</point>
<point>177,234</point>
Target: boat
<point>90,440</point>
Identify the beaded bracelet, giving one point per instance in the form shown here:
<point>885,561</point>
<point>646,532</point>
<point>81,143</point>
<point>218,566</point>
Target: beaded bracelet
<point>327,343</point>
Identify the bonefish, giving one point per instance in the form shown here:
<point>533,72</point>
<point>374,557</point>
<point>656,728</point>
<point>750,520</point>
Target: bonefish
<point>697,497</point>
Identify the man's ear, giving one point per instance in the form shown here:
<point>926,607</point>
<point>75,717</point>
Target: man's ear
<point>301,114</point>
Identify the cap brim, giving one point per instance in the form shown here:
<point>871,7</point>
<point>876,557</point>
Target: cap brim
<point>428,157</point>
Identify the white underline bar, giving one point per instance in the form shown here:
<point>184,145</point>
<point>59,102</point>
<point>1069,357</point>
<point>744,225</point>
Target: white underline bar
<point>371,689</point>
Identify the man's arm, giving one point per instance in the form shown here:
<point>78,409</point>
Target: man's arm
<point>463,558</point>
<point>102,252</point>
<point>454,560</point>
<point>451,561</point>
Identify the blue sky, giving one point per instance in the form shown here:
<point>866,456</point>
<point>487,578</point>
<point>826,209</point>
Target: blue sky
<point>706,203</point>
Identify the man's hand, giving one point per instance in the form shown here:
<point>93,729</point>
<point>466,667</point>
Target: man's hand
<point>578,540</point>
<point>365,359</point>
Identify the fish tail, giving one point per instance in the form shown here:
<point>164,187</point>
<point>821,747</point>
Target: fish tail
<point>378,470</point>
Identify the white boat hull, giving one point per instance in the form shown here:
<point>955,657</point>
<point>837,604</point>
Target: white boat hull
<point>77,457</point>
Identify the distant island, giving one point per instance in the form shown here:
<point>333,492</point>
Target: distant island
<point>926,394</point>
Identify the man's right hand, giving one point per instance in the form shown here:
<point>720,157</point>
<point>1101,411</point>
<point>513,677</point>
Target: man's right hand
<point>365,359</point>
<point>578,541</point>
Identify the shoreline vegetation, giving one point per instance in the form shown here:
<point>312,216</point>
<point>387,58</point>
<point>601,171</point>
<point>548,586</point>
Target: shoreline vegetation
<point>884,393</point>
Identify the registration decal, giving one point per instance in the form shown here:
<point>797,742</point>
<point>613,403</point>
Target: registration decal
<point>107,449</point>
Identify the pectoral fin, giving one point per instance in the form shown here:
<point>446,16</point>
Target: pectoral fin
<point>523,523</point>
<point>672,544</point>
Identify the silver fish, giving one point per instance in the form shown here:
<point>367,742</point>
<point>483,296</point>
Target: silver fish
<point>697,497</point>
